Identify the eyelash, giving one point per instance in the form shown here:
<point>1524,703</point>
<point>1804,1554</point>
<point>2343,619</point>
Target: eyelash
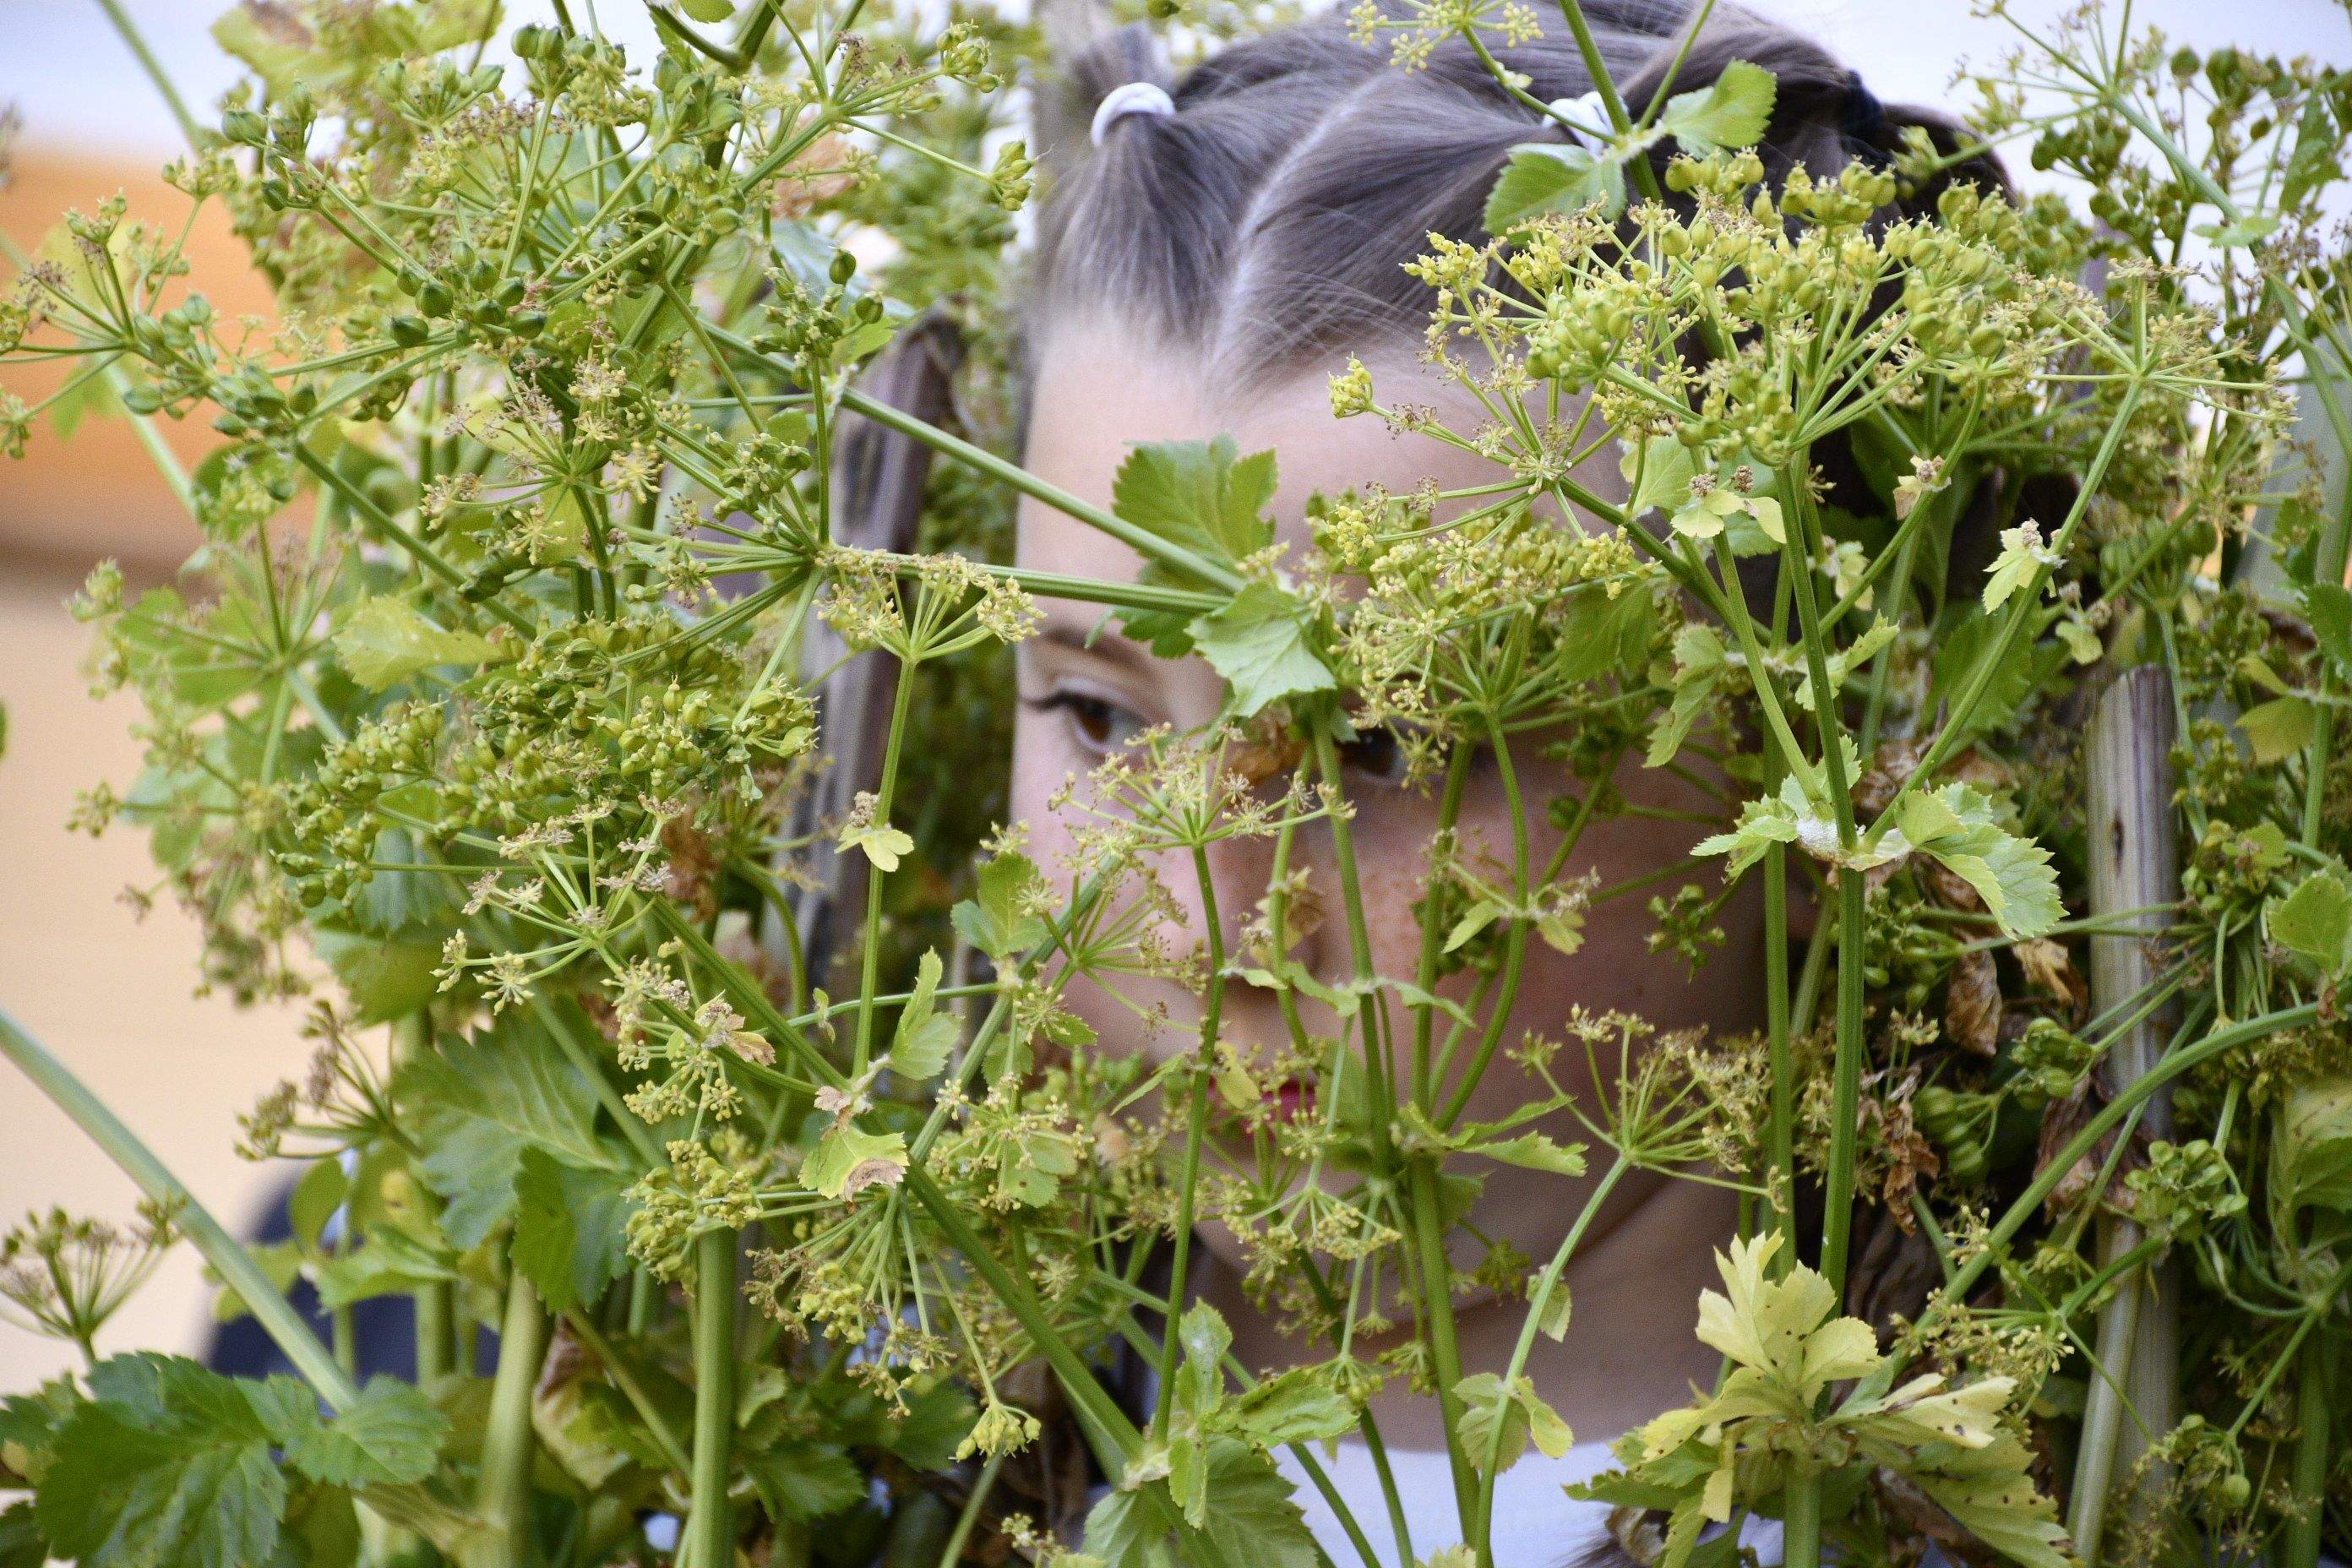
<point>1072,704</point>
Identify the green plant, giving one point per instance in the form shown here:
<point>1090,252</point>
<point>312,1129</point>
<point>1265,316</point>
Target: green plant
<point>485,737</point>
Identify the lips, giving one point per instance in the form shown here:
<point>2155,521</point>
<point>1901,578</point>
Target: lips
<point>1293,1100</point>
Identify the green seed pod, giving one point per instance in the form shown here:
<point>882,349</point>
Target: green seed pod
<point>409,331</point>
<point>435,298</point>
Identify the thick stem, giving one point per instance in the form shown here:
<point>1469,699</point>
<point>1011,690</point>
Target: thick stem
<point>502,1489</point>
<point>1444,1349</point>
<point>412,1037</point>
<point>226,1254</point>
<point>1145,542</point>
<point>1539,1304</point>
<point>709,1540</point>
<point>1845,1084</point>
<point>137,42</point>
<point>2314,1415</point>
<point>871,958</point>
<point>1781,1128</point>
<point>1801,1520</point>
<point>1196,1110</point>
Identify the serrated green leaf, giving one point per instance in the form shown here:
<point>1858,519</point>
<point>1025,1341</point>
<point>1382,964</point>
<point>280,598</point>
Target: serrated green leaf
<point>1197,495</point>
<point>802,1481</point>
<point>1960,828</point>
<point>169,1464</point>
<point>847,1150</point>
<point>570,1239</point>
<point>1553,177</point>
<point>479,1102</point>
<point>391,1436</point>
<point>1255,1520</point>
<point>920,1049</point>
<point>1475,919</point>
<point>996,920</point>
<point>2280,728</point>
<point>1297,1407</point>
<point>383,979</point>
<point>1660,470</point>
<point>1731,111</point>
<point>1258,643</point>
<point>22,1544</point>
<point>2317,158</point>
<point>1502,1419</point>
<point>388,1262</point>
<point>2328,609</point>
<point>2311,1156</point>
<point>2314,923</point>
<point>384,640</point>
<point>1533,1152</point>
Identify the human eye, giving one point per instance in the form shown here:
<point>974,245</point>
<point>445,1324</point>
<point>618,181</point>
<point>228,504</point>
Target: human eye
<point>1377,754</point>
<point>1097,722</point>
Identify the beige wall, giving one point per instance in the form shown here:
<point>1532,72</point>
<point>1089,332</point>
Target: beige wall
<point>109,995</point>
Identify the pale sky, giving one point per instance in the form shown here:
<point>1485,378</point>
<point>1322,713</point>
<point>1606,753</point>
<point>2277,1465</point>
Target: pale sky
<point>73,81</point>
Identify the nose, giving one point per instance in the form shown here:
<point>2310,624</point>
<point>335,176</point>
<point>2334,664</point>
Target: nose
<point>1278,905</point>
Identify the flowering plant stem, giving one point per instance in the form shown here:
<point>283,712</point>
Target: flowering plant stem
<point>223,1251</point>
<point>710,1540</point>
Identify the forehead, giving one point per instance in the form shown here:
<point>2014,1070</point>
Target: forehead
<point>1099,392</point>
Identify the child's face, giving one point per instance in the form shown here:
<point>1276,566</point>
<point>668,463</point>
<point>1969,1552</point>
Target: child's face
<point>1085,689</point>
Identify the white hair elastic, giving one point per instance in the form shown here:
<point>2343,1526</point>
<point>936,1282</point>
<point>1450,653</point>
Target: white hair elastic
<point>1588,110</point>
<point>1130,98</point>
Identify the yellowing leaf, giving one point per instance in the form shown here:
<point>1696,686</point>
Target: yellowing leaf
<point>385,640</point>
<point>883,845</point>
<point>848,1159</point>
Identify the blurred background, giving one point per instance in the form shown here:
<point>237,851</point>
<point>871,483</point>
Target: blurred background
<point>111,994</point>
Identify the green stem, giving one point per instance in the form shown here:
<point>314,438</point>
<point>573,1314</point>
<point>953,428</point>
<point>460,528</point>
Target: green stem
<point>870,973</point>
<point>1800,1520</point>
<point>710,1540</point>
<point>1444,1349</point>
<point>2315,1417</point>
<point>137,42</point>
<point>1142,541</point>
<point>502,1488</point>
<point>1195,1112</point>
<point>1845,1084</point>
<point>412,1037</point>
<point>224,1252</point>
<point>1781,1128</point>
<point>2130,1099</point>
<point>968,1519</point>
<point>1539,1301</point>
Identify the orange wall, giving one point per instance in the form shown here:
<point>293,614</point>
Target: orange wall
<point>109,994</point>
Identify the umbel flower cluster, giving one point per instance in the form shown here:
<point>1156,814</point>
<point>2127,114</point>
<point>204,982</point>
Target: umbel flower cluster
<point>691,1022</point>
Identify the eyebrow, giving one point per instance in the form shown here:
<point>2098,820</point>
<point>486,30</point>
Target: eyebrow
<point>1107,644</point>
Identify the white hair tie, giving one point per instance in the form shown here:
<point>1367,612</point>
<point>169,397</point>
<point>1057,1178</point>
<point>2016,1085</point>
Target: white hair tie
<point>1592,109</point>
<point>1130,98</point>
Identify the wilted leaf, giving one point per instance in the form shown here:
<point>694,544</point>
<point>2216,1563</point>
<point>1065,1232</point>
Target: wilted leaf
<point>1972,1003</point>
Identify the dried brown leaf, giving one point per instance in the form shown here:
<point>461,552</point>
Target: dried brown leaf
<point>1972,1004</point>
<point>2050,969</point>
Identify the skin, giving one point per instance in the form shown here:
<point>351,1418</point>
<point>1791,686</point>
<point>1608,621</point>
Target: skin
<point>1084,689</point>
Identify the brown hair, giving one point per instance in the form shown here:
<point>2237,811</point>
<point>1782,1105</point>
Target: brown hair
<point>1266,223</point>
